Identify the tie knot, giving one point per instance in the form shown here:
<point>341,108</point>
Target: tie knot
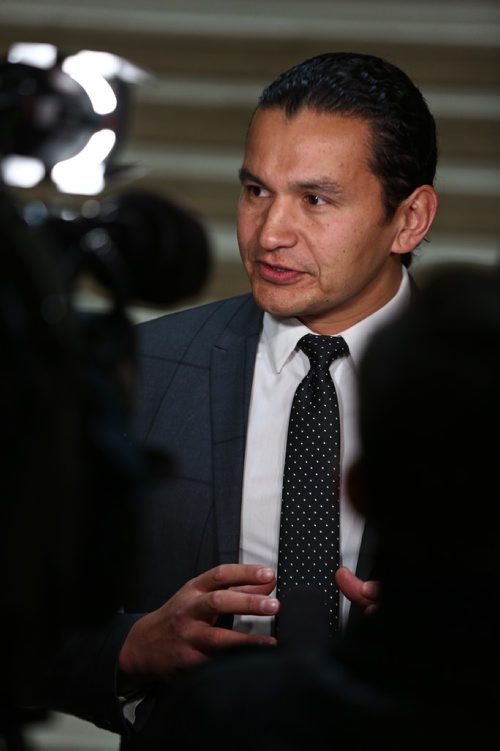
<point>323,350</point>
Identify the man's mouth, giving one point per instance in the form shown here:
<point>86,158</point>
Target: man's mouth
<point>277,274</point>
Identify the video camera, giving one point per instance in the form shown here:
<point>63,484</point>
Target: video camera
<point>71,471</point>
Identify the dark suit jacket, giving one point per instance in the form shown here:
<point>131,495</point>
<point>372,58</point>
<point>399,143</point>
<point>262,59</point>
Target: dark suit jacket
<point>197,377</point>
<point>196,370</point>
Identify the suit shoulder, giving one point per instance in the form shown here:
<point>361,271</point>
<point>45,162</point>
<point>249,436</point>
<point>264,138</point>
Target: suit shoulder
<point>174,333</point>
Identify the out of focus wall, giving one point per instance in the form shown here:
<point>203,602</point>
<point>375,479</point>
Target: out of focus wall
<point>211,59</point>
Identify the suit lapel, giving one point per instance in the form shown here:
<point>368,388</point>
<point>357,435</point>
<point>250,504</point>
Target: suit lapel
<point>232,367</point>
<point>365,566</point>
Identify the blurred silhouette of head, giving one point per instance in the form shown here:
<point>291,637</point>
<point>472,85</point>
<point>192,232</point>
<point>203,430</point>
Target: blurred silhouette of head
<point>430,410</point>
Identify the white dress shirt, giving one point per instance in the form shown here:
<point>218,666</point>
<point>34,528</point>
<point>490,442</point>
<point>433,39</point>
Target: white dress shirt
<point>279,368</point>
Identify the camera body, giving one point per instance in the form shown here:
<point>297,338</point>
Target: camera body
<point>72,472</point>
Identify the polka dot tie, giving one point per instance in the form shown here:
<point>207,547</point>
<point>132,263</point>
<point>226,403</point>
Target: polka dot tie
<point>309,545</point>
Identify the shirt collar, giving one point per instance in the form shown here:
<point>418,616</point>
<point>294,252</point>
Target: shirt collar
<point>280,335</point>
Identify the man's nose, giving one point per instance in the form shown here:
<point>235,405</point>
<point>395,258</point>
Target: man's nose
<point>278,226</point>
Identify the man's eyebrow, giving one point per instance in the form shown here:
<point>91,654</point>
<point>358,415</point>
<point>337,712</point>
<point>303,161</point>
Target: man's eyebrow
<point>246,176</point>
<point>321,185</point>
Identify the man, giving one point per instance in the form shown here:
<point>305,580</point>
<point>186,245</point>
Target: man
<point>422,671</point>
<point>337,193</point>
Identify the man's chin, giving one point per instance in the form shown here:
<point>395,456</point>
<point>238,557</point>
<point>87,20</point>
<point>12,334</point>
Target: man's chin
<point>278,308</point>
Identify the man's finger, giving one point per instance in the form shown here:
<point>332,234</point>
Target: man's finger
<point>233,575</point>
<point>355,589</point>
<point>229,601</point>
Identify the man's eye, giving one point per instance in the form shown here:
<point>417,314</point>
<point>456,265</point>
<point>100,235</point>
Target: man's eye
<point>255,191</point>
<point>314,200</point>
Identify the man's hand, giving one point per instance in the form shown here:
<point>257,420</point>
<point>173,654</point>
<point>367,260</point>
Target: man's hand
<point>181,633</point>
<point>364,593</point>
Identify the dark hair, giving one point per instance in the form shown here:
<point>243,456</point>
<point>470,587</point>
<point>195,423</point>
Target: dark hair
<point>370,88</point>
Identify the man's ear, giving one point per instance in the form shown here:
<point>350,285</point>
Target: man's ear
<point>416,214</point>
<point>355,486</point>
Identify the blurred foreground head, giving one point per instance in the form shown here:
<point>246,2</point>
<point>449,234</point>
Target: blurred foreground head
<point>430,411</point>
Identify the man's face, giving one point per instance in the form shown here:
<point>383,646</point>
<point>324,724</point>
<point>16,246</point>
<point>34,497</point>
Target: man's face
<point>311,226</point>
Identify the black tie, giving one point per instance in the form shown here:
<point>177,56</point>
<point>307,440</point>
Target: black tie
<point>309,545</point>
